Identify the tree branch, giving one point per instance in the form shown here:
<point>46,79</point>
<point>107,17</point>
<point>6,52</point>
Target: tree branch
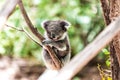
<point>55,59</point>
<point>14,28</point>
<point>6,11</point>
<point>23,30</point>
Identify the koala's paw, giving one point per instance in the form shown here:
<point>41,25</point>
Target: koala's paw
<point>46,42</point>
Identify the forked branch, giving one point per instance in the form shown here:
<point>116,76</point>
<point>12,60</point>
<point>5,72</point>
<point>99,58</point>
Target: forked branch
<point>55,59</point>
<point>23,30</point>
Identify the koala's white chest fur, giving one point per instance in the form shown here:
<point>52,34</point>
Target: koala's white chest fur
<point>63,47</point>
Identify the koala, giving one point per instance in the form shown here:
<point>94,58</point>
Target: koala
<point>57,38</point>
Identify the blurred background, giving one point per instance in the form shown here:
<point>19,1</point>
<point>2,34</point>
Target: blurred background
<point>86,21</point>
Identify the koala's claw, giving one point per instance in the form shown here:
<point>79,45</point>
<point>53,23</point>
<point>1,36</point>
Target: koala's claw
<point>45,42</point>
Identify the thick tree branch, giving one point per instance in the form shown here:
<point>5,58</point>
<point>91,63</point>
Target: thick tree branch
<point>55,59</point>
<point>6,11</point>
<point>114,12</point>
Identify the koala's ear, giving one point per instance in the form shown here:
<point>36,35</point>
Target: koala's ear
<point>45,23</point>
<point>65,24</point>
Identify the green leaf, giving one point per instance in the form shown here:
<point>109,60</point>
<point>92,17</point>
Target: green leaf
<point>105,51</point>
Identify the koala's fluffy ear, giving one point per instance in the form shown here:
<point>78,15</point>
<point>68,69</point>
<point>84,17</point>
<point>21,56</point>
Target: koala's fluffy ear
<point>65,24</point>
<point>45,23</point>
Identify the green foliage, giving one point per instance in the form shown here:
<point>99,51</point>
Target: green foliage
<point>76,78</point>
<point>108,63</point>
<point>84,15</point>
<point>107,53</point>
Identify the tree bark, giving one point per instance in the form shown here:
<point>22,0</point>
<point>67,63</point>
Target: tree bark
<point>111,12</point>
<point>115,44</point>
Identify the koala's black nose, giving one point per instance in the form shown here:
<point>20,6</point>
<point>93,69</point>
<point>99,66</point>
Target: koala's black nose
<point>53,35</point>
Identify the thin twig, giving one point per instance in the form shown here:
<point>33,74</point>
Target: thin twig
<point>23,30</point>
<point>14,28</point>
<point>31,37</point>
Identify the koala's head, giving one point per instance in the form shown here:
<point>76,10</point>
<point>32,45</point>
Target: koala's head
<point>55,30</point>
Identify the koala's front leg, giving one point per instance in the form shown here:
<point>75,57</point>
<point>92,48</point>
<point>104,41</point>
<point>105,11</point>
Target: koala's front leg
<point>47,42</point>
<point>48,60</point>
<point>60,45</point>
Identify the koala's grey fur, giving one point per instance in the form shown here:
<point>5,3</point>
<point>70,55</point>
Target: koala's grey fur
<point>56,37</point>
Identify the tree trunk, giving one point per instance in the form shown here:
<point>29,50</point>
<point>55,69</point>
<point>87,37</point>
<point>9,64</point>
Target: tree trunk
<point>111,10</point>
<point>115,44</point>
